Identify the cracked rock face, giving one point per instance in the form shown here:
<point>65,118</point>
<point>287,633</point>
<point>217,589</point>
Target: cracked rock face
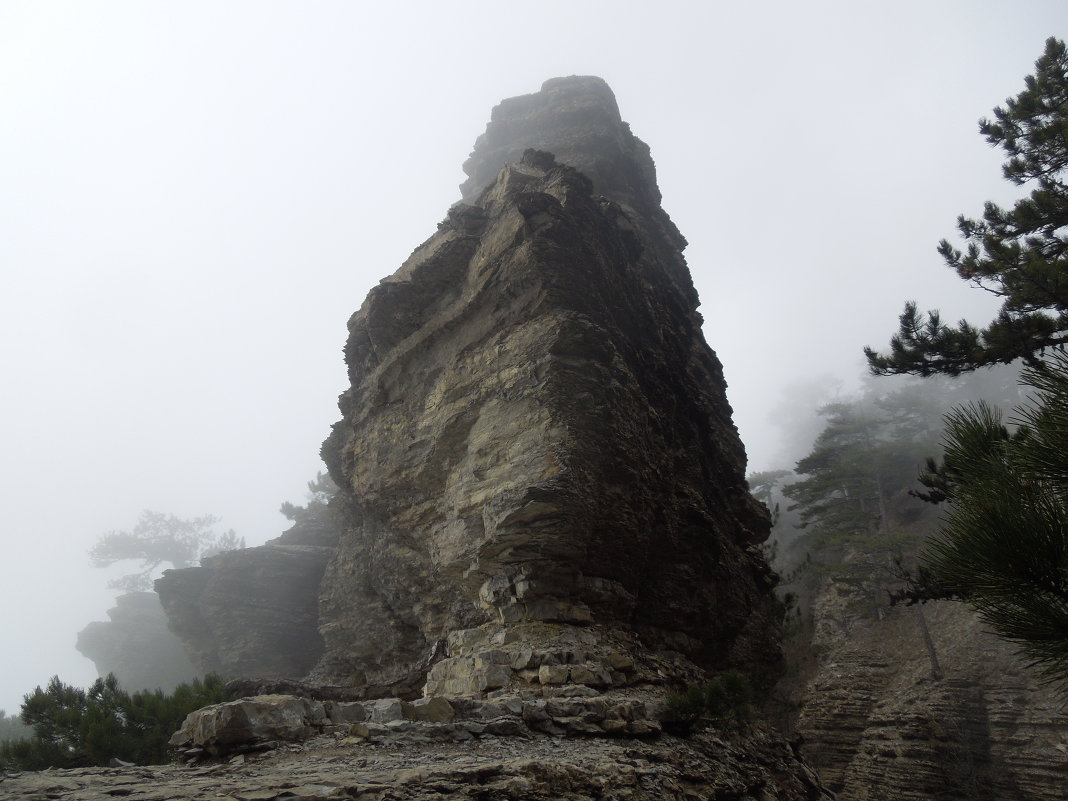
<point>536,437</point>
<point>250,612</point>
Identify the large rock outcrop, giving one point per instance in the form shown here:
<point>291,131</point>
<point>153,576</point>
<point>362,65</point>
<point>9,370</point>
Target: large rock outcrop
<point>536,455</point>
<point>879,727</point>
<point>136,645</point>
<point>414,762</point>
<point>250,612</point>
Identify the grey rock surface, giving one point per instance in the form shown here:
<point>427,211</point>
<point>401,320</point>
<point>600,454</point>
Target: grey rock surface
<point>536,435</point>
<point>250,612</point>
<point>877,726</point>
<point>485,757</point>
<point>137,645</point>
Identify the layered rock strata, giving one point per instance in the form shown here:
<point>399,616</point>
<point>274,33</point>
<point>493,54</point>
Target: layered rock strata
<point>250,612</point>
<point>878,727</point>
<point>136,645</point>
<point>536,455</point>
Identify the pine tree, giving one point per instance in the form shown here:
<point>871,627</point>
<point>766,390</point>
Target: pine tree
<point>1018,254</point>
<point>160,539</point>
<point>1004,545</point>
<point>73,727</point>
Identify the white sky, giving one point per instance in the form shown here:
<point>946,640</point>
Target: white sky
<point>194,197</point>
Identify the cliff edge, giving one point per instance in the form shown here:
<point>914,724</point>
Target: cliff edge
<point>536,451</point>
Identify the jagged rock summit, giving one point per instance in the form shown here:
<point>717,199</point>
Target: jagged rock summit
<point>539,477</point>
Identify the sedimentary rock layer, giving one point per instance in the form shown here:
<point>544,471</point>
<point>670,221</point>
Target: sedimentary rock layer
<point>536,433</point>
<point>136,645</point>
<point>251,612</point>
<point>409,762</point>
<point>878,727</point>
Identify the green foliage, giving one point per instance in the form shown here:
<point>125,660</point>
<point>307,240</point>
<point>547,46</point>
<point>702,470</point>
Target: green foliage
<point>1004,544</point>
<point>74,727</point>
<point>868,453</point>
<point>157,539</point>
<point>724,701</point>
<point>320,491</point>
<point>1018,254</point>
<point>851,500</point>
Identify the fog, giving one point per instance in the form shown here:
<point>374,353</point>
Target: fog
<point>194,197</point>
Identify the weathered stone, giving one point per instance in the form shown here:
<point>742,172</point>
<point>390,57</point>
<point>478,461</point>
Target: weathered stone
<point>618,660</point>
<point>251,612</point>
<point>573,691</point>
<point>385,710</point>
<point>614,726</point>
<point>434,710</point>
<point>343,712</point>
<point>582,674</point>
<point>523,659</point>
<point>880,728</point>
<point>260,719</point>
<point>643,728</point>
<point>535,431</point>
<point>136,645</point>
<point>527,767</point>
<point>554,674</point>
<point>537,468</point>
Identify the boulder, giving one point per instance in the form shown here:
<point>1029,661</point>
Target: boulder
<point>239,725</point>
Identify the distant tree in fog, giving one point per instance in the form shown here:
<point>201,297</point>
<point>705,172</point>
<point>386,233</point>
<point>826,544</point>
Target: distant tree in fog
<point>12,727</point>
<point>1018,254</point>
<point>159,539</point>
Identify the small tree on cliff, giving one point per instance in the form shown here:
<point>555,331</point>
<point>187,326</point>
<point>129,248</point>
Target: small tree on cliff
<point>320,491</point>
<point>160,539</point>
<point>1018,254</point>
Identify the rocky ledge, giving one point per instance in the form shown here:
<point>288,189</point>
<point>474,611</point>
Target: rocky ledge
<point>250,612</point>
<point>285,748</point>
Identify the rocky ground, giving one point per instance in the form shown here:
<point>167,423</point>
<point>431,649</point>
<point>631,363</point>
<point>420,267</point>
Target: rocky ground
<point>398,767</point>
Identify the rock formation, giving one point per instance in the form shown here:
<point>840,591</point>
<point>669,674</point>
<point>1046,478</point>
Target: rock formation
<point>877,726</point>
<point>250,612</point>
<point>539,474</point>
<point>544,521</point>
<point>136,645</point>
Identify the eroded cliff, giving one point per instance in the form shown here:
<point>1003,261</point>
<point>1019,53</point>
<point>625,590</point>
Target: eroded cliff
<point>536,449</point>
<point>136,644</point>
<point>879,727</point>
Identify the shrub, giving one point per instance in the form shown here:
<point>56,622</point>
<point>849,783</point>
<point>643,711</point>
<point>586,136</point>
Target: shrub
<point>724,701</point>
<point>74,727</point>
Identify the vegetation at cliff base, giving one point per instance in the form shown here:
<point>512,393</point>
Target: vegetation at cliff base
<point>723,701</point>
<point>74,727</point>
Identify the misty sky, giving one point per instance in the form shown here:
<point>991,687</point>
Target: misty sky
<point>194,197</point>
